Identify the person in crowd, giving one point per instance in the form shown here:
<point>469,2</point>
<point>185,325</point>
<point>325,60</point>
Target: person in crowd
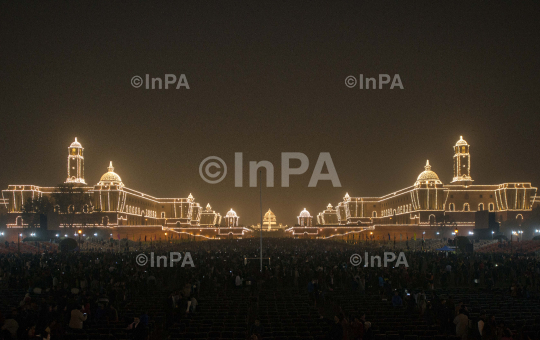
<point>462,324</point>
<point>396,300</point>
<point>257,329</point>
<point>368,333</point>
<point>356,329</point>
<point>335,331</point>
<point>77,319</point>
<point>138,329</point>
<point>480,324</point>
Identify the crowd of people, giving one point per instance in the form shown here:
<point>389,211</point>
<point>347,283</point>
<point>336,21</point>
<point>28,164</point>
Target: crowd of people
<point>50,295</point>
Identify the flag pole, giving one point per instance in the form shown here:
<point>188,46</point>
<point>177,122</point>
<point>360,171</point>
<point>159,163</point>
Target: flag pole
<point>260,202</point>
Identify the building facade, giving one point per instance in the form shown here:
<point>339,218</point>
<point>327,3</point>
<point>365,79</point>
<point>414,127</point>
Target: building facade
<point>111,204</point>
<point>429,204</point>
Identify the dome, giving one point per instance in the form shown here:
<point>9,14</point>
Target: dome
<point>269,214</point>
<point>110,177</point>
<point>461,141</point>
<point>75,144</point>
<point>231,213</point>
<point>427,174</point>
<point>304,213</point>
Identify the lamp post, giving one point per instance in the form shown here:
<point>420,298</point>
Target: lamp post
<point>80,232</point>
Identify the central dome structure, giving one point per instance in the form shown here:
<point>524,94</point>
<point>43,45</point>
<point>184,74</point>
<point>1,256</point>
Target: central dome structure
<point>269,215</point>
<point>110,177</point>
<point>75,144</point>
<point>231,213</point>
<point>304,213</point>
<point>461,141</point>
<point>428,176</point>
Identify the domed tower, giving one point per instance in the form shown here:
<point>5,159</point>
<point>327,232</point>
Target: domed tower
<point>462,162</point>
<point>231,219</point>
<point>305,219</point>
<point>428,190</point>
<point>110,177</point>
<point>427,177</point>
<point>75,163</point>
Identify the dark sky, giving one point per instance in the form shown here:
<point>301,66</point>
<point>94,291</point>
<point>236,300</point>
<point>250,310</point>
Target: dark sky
<point>266,78</point>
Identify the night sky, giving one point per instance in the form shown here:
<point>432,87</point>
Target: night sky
<point>266,78</point>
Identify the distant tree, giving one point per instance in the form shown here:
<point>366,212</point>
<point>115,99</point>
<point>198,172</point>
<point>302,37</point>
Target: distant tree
<point>70,200</point>
<point>33,208</point>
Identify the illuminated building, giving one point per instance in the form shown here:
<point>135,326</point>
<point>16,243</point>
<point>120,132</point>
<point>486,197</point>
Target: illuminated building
<point>231,219</point>
<point>270,223</point>
<point>429,205</point>
<point>328,216</point>
<point>209,217</point>
<point>305,219</point>
<point>75,163</point>
<point>111,204</point>
<point>269,220</point>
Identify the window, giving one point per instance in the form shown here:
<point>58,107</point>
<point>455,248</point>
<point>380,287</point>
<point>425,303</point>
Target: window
<point>452,207</point>
<point>163,215</point>
<point>481,196</point>
<point>374,214</point>
<point>466,207</point>
<point>491,207</point>
<point>481,206</point>
<point>451,196</point>
<point>490,196</point>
